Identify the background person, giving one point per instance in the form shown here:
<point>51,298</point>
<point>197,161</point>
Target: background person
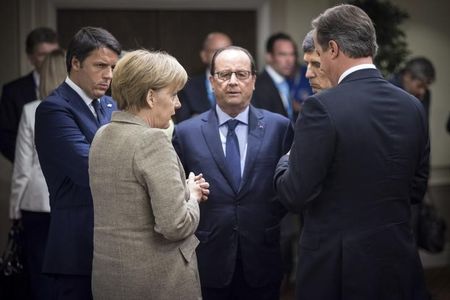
<point>29,200</point>
<point>316,76</point>
<point>272,90</point>
<point>40,42</point>
<point>197,96</point>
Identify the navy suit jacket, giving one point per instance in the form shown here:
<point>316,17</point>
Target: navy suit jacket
<point>14,96</point>
<point>194,98</point>
<point>65,127</point>
<point>267,96</point>
<point>359,159</point>
<point>250,217</point>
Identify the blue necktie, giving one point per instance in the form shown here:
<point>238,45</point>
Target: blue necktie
<point>99,112</point>
<point>233,157</point>
<point>283,87</point>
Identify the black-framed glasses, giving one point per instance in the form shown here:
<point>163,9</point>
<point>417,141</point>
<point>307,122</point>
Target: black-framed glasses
<point>226,75</point>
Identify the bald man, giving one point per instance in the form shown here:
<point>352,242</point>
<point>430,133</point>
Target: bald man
<point>197,96</point>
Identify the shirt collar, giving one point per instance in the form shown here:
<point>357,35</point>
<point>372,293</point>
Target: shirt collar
<point>354,69</point>
<point>79,91</point>
<point>37,78</point>
<point>277,78</point>
<point>223,117</point>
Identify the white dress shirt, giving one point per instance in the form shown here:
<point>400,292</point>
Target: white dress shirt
<point>278,79</point>
<point>82,94</point>
<point>354,69</point>
<point>28,187</point>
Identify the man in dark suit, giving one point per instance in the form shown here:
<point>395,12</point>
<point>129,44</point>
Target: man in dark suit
<point>272,88</point>
<point>236,147</point>
<point>415,78</point>
<point>19,92</point>
<point>66,123</point>
<point>197,96</point>
<point>358,161</point>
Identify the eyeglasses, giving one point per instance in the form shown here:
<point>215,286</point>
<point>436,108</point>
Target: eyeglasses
<point>226,75</point>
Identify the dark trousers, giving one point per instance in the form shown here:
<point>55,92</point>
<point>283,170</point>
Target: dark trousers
<point>240,290</point>
<point>70,287</point>
<point>35,231</point>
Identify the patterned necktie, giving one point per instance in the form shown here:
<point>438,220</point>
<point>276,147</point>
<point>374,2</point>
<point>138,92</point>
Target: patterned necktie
<point>283,87</point>
<point>233,157</point>
<point>99,112</point>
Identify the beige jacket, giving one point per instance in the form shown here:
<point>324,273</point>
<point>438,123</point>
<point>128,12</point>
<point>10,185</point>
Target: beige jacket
<point>144,221</point>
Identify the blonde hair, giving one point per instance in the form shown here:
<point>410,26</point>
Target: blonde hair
<point>139,71</point>
<point>53,72</point>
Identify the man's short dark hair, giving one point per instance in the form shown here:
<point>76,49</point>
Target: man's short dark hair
<point>38,36</point>
<point>88,39</point>
<point>213,60</point>
<point>277,37</point>
<point>420,68</point>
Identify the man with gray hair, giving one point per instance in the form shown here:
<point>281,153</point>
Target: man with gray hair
<point>317,78</point>
<point>364,163</point>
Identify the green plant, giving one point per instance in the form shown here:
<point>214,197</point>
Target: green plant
<point>391,39</point>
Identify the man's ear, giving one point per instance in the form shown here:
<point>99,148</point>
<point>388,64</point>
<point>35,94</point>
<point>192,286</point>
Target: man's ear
<point>76,64</point>
<point>211,80</point>
<point>334,48</point>
<point>269,58</point>
<point>204,57</point>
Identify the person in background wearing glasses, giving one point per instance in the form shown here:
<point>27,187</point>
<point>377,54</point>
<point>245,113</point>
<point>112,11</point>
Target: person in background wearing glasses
<point>197,95</point>
<point>236,147</point>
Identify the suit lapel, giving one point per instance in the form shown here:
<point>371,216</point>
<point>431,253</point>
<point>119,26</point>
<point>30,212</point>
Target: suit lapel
<point>107,108</point>
<point>85,115</point>
<point>256,130</point>
<point>210,131</point>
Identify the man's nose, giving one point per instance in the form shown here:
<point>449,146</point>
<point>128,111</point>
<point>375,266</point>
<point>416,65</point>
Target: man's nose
<point>309,73</point>
<point>108,72</point>
<point>233,79</point>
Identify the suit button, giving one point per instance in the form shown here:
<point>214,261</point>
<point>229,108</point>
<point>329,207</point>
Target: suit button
<point>235,228</point>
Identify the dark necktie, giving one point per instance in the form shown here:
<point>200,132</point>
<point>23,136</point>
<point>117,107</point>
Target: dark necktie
<point>233,157</point>
<point>99,112</point>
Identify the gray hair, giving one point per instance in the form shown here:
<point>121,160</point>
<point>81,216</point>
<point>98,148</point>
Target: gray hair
<point>350,27</point>
<point>308,42</point>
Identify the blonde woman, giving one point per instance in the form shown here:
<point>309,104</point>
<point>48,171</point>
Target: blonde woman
<point>29,200</point>
<point>145,212</point>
